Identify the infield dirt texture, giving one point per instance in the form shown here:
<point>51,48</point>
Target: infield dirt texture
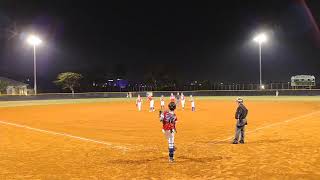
<point>110,139</point>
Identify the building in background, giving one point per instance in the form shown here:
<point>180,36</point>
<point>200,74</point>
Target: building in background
<point>13,87</point>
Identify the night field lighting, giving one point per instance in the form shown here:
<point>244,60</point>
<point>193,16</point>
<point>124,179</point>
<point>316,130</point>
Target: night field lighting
<point>260,39</point>
<point>34,41</point>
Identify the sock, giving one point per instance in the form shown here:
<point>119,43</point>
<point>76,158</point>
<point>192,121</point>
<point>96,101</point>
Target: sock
<point>171,153</point>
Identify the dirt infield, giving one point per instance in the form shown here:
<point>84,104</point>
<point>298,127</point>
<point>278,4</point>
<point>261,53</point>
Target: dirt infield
<point>111,140</point>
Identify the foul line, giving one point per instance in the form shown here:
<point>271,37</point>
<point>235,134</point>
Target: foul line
<point>66,135</point>
<point>125,148</point>
<point>270,125</point>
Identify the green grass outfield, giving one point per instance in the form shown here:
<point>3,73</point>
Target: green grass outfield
<point>104,100</point>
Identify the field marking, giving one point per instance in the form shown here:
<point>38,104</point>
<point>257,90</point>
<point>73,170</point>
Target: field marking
<point>66,135</point>
<point>270,125</point>
<point>126,148</point>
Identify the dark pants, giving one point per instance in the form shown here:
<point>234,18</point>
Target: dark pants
<point>239,132</point>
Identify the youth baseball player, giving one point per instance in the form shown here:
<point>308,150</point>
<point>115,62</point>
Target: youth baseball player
<point>139,102</point>
<point>169,119</point>
<point>183,101</point>
<point>172,98</point>
<point>240,116</point>
<point>162,102</point>
<point>193,105</point>
<point>178,99</point>
<point>151,101</point>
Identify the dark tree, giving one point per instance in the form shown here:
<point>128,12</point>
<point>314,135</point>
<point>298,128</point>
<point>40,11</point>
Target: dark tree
<point>69,80</point>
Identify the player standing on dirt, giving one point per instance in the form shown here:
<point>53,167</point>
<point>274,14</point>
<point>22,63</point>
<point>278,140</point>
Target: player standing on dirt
<point>169,119</point>
<point>178,99</point>
<point>193,105</point>
<point>162,102</point>
<point>139,102</point>
<point>183,101</point>
<point>172,98</point>
<point>240,116</point>
<point>150,98</point>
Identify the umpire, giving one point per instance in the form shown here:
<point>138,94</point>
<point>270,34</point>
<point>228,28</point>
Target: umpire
<point>240,116</point>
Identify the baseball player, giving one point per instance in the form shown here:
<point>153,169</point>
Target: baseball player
<point>151,101</point>
<point>178,99</point>
<point>172,98</point>
<point>139,102</point>
<point>240,116</point>
<point>169,119</point>
<point>193,106</point>
<point>162,102</point>
<point>183,101</point>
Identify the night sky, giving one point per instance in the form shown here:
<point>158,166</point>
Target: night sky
<point>182,39</point>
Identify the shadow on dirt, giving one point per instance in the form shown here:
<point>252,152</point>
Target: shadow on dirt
<point>264,141</point>
<point>199,159</point>
<point>134,161</point>
<point>269,141</point>
<point>164,159</point>
<point>215,142</point>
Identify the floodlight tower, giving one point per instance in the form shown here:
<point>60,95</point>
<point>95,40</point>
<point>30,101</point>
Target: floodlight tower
<point>260,39</point>
<point>34,41</point>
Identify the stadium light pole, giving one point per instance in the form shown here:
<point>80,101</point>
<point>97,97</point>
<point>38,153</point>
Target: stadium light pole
<point>260,39</point>
<point>34,41</point>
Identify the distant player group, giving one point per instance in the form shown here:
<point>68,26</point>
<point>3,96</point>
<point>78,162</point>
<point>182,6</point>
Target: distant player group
<point>178,100</point>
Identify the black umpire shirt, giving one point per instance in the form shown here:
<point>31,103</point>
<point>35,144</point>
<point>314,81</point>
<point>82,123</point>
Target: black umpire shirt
<point>241,112</point>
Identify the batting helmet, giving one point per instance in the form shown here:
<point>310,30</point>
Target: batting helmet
<point>172,106</point>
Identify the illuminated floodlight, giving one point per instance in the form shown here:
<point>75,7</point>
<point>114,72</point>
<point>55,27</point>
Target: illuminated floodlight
<point>260,38</point>
<point>34,40</point>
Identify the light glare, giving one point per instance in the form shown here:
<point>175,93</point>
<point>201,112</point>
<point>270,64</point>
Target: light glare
<point>261,38</point>
<point>34,40</point>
